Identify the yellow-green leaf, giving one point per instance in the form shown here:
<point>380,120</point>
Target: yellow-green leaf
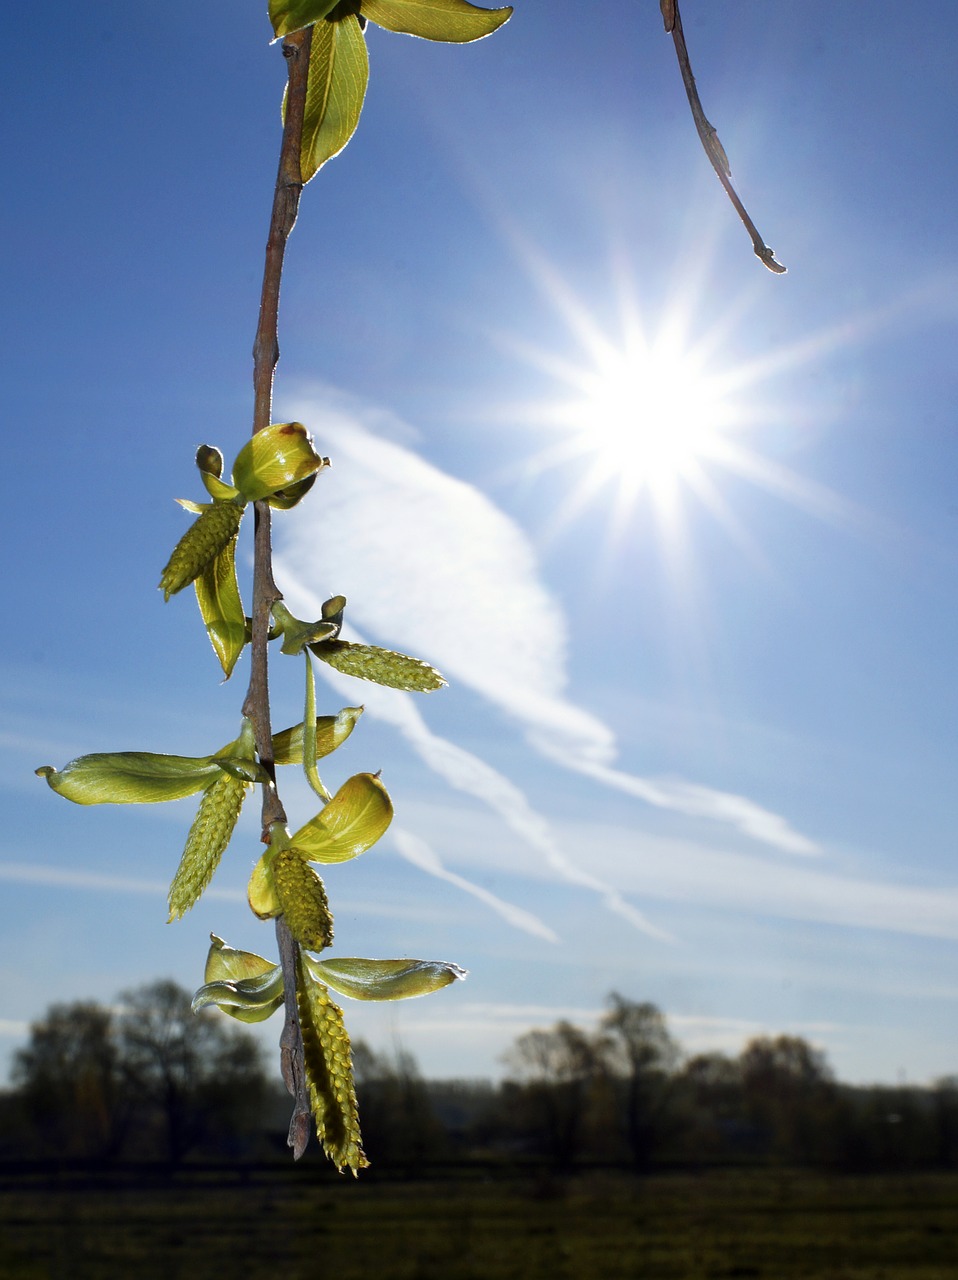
<point>130,777</point>
<point>355,818</point>
<point>240,983</point>
<point>208,837</point>
<point>329,1072</point>
<point>454,21</point>
<point>335,89</point>
<point>385,979</point>
<point>217,594</point>
<point>292,15</point>
<point>226,964</point>
<point>331,732</point>
<point>279,455</point>
<point>381,666</point>
<point>261,891</point>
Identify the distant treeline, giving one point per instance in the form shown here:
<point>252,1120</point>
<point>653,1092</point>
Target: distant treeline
<point>148,1081</point>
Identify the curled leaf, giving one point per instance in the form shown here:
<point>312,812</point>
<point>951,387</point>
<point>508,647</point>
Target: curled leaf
<point>385,979</point>
<point>261,890</point>
<point>226,964</point>
<point>358,814</point>
<point>218,596</point>
<point>274,458</point>
<point>331,732</point>
<point>246,999</point>
<point>130,777</point>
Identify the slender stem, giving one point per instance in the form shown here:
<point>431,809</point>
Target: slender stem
<point>289,186</point>
<point>709,138</point>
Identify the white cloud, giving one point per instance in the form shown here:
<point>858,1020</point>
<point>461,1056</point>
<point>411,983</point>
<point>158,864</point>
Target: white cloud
<point>416,851</point>
<point>435,568</point>
<point>62,878</point>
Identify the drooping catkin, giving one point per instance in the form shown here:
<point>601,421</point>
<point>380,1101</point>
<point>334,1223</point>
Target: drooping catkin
<point>209,534</point>
<point>208,837</point>
<point>329,1073</point>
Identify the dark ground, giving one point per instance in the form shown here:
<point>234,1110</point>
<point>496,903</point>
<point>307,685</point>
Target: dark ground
<point>303,1224</point>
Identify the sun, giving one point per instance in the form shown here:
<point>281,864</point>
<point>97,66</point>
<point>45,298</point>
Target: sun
<point>645,418</point>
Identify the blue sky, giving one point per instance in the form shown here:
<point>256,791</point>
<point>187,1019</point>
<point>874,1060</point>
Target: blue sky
<point>699,740</point>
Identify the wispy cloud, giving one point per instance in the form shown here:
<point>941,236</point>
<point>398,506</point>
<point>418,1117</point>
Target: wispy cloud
<point>466,772</point>
<point>62,878</point>
<point>421,855</point>
<point>434,567</point>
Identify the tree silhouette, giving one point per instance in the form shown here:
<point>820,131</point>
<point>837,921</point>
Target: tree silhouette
<point>640,1057</point>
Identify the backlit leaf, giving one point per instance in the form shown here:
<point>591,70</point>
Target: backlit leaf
<point>217,594</point>
<point>335,89</point>
<point>130,777</point>
<point>454,21</point>
<point>331,732</point>
<point>293,15</point>
<point>358,814</point>
<point>279,455</point>
<point>385,979</point>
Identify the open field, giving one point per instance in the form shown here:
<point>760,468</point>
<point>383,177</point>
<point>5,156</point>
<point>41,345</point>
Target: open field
<point>298,1225</point>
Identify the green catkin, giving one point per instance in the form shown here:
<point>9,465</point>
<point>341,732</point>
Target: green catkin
<point>302,896</point>
<point>209,534</point>
<point>329,1073</point>
<point>381,666</point>
<point>208,837</point>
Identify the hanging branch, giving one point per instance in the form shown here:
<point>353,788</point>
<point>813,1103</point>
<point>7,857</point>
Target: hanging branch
<point>289,186</point>
<point>710,139</point>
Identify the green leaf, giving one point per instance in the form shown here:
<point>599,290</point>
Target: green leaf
<point>385,979</point>
<point>130,777</point>
<point>454,21</point>
<point>335,89</point>
<point>261,890</point>
<point>226,964</point>
<point>286,499</point>
<point>280,455</point>
<point>241,983</point>
<point>206,842</point>
<point>298,634</point>
<point>329,1072</point>
<point>381,666</point>
<point>351,823</point>
<point>217,594</point>
<point>292,15</point>
<point>331,732</point>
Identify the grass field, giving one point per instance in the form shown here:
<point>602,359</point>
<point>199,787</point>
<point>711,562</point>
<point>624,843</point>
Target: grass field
<point>290,1225</point>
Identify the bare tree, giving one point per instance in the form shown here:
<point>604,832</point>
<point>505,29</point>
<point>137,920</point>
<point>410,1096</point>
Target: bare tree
<point>640,1057</point>
<point>556,1072</point>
